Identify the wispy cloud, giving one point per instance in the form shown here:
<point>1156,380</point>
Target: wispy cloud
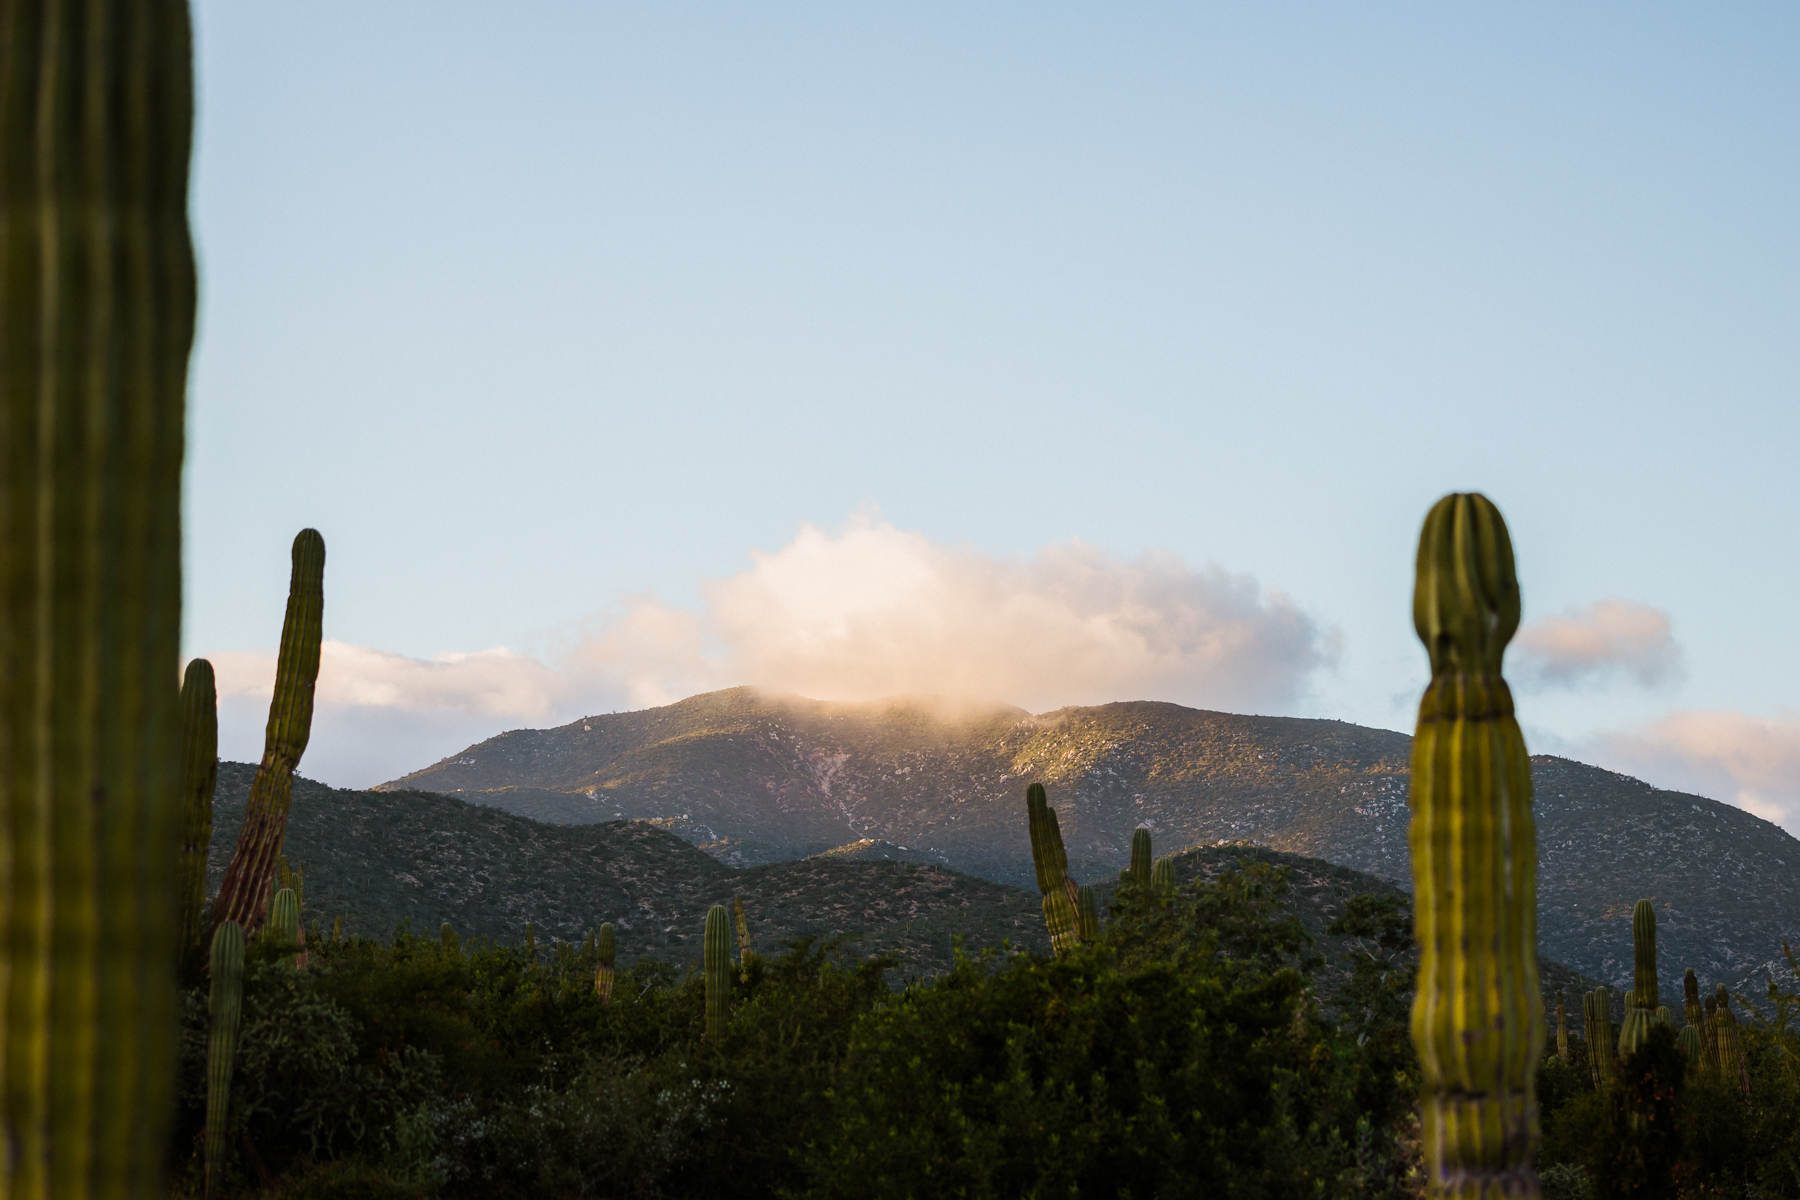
<point>1752,762</point>
<point>869,611</point>
<point>1608,640</point>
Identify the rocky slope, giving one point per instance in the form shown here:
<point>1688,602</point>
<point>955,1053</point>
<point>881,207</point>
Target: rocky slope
<point>758,779</point>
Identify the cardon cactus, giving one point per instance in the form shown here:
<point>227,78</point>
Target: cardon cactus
<point>716,969</point>
<point>225,1008</point>
<point>1162,876</point>
<point>742,922</point>
<point>605,950</point>
<point>1088,914</point>
<point>1477,1016</point>
<point>243,896</point>
<point>1062,896</point>
<point>1562,1030</point>
<point>1641,1002</point>
<point>199,773</point>
<point>1602,1057</point>
<point>1732,1066</point>
<point>1691,1011</point>
<point>1709,1037</point>
<point>283,928</point>
<point>1689,1041</point>
<point>1141,857</point>
<point>96,321</point>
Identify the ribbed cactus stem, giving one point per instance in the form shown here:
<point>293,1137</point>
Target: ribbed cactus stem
<point>1691,1011</point>
<point>1162,875</point>
<point>243,896</point>
<point>1477,1017</point>
<point>1062,896</point>
<point>1088,914</point>
<point>716,969</point>
<point>742,922</point>
<point>225,1010</point>
<point>605,949</point>
<point>283,928</point>
<point>1641,1001</point>
<point>199,774</point>
<point>1141,858</point>
<point>1562,1030</point>
<point>96,321</point>
<point>1689,1041</point>
<point>1709,1037</point>
<point>1602,1057</point>
<point>1732,1066</point>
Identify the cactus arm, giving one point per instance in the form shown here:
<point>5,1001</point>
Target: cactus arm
<point>243,896</point>
<point>716,968</point>
<point>96,322</point>
<point>225,1007</point>
<point>1477,1018</point>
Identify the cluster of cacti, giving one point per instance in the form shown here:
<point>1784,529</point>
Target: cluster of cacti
<point>745,954</point>
<point>243,897</point>
<point>605,951</point>
<point>1641,1001</point>
<point>96,321</point>
<point>1596,1009</point>
<point>716,969</point>
<point>1477,1017</point>
<point>225,1009</point>
<point>1062,896</point>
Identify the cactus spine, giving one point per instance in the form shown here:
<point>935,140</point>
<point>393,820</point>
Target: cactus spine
<point>243,896</point>
<point>604,953</point>
<point>96,321</point>
<point>1062,896</point>
<point>1141,857</point>
<point>1162,876</point>
<point>199,773</point>
<point>225,1007</point>
<point>1477,1017</point>
<point>1641,1004</point>
<point>716,968</point>
<point>745,955</point>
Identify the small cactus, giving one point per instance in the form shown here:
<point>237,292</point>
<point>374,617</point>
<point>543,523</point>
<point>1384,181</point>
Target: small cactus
<point>1062,896</point>
<point>1690,999</point>
<point>604,952</point>
<point>1562,1030</point>
<point>1732,1066</point>
<point>716,969</point>
<point>1089,913</point>
<point>1141,857</point>
<point>1162,876</point>
<point>225,1008</point>
<point>283,928</point>
<point>745,955</point>
<point>531,957</point>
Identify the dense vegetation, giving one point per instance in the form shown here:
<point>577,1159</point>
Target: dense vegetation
<point>1199,1048</point>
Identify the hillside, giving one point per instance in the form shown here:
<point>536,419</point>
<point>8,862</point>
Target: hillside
<point>376,859</point>
<point>757,779</point>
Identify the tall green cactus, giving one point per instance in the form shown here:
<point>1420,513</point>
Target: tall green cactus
<point>1562,1030</point>
<point>745,955</point>
<point>1641,1003</point>
<point>1602,1057</point>
<point>243,896</point>
<point>1062,896</point>
<point>1691,1011</point>
<point>605,951</point>
<point>1709,1037</point>
<point>1141,858</point>
<point>283,928</point>
<point>1689,1041</point>
<point>225,1008</point>
<point>1477,1017</point>
<point>1088,914</point>
<point>1732,1066</point>
<point>716,969</point>
<point>1162,876</point>
<point>96,321</point>
<point>199,773</point>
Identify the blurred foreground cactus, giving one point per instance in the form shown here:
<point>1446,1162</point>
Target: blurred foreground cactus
<point>96,321</point>
<point>1477,1017</point>
<point>243,896</point>
<point>1062,896</point>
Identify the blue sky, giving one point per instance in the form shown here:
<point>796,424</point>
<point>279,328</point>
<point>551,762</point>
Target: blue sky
<point>1069,353</point>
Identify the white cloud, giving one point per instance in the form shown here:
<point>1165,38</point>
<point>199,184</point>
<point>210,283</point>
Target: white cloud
<point>870,611</point>
<point>1752,762</point>
<point>1608,639</point>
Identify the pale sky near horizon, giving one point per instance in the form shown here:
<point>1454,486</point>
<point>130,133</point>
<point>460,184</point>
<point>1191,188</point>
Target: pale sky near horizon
<point>1056,353</point>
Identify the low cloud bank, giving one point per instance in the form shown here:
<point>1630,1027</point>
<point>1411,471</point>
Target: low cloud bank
<point>1608,640</point>
<point>867,612</point>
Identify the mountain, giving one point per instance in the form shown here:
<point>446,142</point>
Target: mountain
<point>377,859</point>
<point>754,778</point>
